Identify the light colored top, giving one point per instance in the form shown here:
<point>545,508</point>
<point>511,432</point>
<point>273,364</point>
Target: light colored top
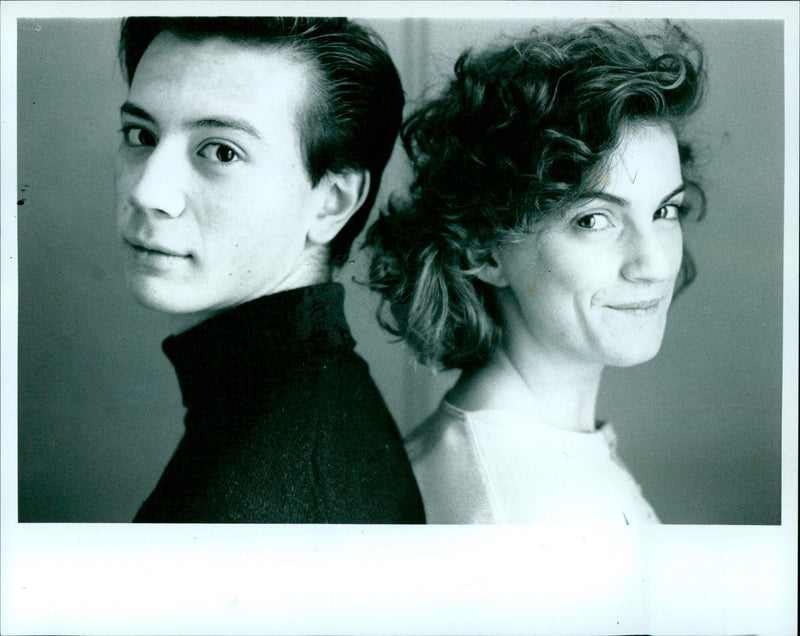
<point>499,466</point>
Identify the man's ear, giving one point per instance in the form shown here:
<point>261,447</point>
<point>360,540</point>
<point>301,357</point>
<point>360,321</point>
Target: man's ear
<point>491,271</point>
<point>342,195</point>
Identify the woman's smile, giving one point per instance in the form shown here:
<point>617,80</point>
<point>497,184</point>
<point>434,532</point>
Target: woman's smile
<point>641,308</point>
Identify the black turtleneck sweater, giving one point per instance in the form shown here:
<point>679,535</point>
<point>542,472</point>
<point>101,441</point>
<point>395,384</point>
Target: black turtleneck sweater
<point>283,422</point>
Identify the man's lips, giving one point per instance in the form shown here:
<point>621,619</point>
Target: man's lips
<point>144,248</point>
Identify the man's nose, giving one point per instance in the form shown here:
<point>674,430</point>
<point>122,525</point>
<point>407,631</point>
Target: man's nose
<point>160,188</point>
<point>652,255</point>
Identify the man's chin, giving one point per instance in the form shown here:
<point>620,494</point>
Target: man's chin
<point>158,299</point>
<point>183,310</point>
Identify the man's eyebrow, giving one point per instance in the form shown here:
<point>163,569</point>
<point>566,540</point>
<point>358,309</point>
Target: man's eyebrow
<point>232,123</point>
<point>226,122</point>
<point>611,198</point>
<point>135,111</point>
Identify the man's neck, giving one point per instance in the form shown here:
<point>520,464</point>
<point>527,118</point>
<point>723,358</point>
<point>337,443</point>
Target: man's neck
<point>313,267</point>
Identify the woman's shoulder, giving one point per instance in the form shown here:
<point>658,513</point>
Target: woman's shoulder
<point>454,436</point>
<point>429,433</point>
<point>489,400</point>
<point>446,459</point>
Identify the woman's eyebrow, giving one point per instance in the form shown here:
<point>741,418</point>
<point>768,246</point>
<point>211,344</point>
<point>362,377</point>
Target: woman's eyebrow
<point>677,190</point>
<point>612,198</point>
<point>604,196</point>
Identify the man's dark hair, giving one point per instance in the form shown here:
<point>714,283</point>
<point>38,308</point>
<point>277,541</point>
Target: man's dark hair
<point>350,122</point>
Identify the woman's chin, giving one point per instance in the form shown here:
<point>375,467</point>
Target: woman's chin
<point>634,356</point>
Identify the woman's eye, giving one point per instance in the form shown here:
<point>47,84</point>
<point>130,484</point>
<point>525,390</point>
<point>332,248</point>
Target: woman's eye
<point>669,212</point>
<point>593,222</point>
<point>219,153</point>
<point>138,136</point>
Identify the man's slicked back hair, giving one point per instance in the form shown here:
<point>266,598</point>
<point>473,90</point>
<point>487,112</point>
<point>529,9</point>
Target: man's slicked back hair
<point>351,119</point>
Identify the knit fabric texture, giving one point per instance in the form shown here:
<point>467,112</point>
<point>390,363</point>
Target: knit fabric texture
<point>283,424</point>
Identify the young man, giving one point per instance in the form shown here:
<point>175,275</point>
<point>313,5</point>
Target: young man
<point>251,153</point>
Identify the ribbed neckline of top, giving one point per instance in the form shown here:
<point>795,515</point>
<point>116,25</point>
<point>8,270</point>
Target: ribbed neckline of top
<point>261,341</point>
<point>601,427</point>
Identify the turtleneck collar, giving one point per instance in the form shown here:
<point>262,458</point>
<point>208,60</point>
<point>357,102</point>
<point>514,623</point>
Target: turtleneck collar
<point>245,347</point>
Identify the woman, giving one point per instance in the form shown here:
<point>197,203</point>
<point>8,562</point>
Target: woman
<point>541,242</point>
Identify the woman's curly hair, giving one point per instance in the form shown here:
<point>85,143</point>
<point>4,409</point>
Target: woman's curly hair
<point>515,137</point>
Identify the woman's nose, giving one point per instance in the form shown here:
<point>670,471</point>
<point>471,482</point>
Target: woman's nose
<point>653,254</point>
<point>161,184</point>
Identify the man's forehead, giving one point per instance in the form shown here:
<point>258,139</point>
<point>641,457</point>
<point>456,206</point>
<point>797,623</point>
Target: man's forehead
<point>215,72</point>
<point>249,59</point>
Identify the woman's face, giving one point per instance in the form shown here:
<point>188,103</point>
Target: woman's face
<point>595,285</point>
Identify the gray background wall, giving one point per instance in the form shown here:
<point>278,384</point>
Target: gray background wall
<point>99,406</point>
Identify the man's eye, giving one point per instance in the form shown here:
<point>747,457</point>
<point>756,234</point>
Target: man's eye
<point>219,153</point>
<point>138,136</point>
<point>593,222</point>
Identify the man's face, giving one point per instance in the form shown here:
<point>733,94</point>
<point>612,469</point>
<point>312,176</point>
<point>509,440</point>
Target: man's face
<point>213,198</point>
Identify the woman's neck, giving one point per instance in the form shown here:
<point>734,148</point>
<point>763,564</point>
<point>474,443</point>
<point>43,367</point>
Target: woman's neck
<point>565,394</point>
<point>557,395</point>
